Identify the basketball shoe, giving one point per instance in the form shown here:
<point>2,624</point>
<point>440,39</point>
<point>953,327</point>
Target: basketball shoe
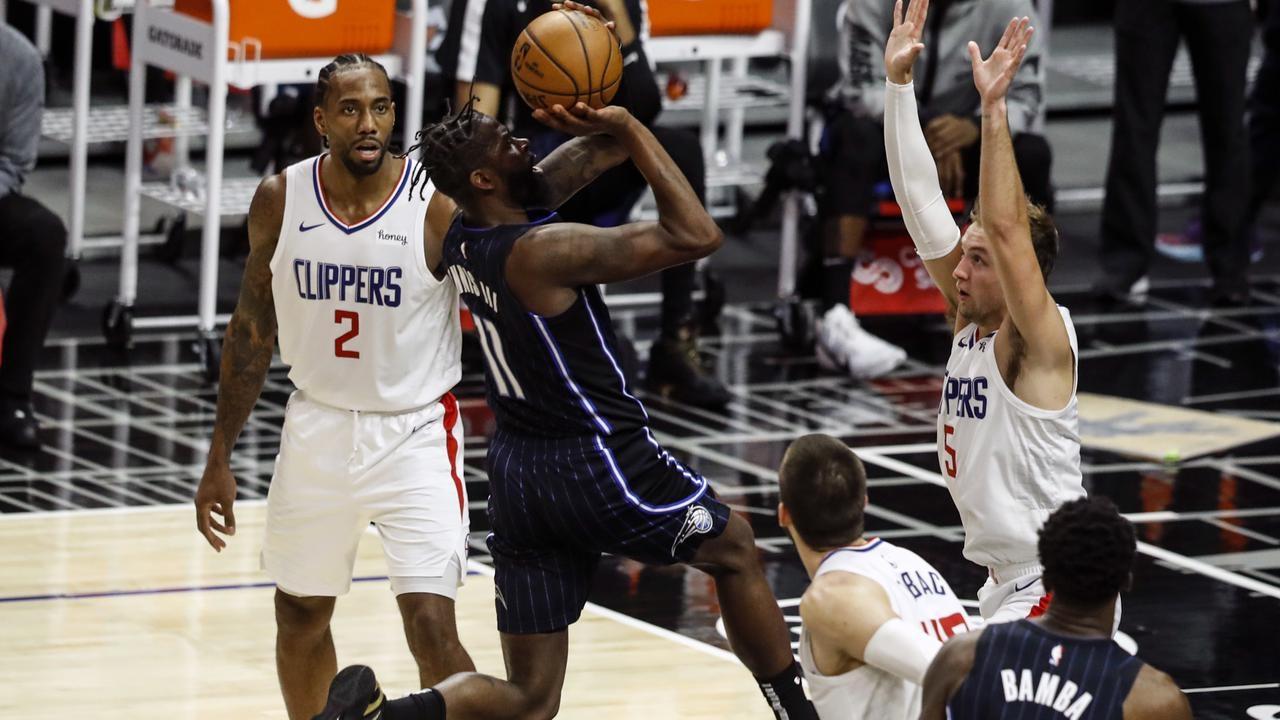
<point>675,371</point>
<point>843,344</point>
<point>354,694</point>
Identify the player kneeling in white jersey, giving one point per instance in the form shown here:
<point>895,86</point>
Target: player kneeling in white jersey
<point>875,614</point>
<point>1008,427</point>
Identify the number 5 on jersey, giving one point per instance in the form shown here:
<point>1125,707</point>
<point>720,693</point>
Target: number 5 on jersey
<point>952,463</point>
<point>340,317</point>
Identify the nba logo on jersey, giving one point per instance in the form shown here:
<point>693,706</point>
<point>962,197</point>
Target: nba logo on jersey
<point>1055,655</point>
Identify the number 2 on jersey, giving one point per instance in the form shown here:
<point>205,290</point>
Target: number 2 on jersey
<point>952,463</point>
<point>338,317</point>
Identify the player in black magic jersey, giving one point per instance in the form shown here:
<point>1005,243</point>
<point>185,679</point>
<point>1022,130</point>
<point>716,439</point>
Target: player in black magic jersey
<point>574,470</point>
<point>1063,664</point>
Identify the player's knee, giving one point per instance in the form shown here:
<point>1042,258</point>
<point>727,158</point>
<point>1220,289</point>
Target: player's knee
<point>432,633</point>
<point>302,616</point>
<point>541,705</point>
<point>47,236</point>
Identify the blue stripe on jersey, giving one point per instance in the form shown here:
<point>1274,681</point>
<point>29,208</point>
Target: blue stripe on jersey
<point>875,542</point>
<point>583,400</point>
<point>604,346</point>
<point>350,229</point>
<point>632,498</point>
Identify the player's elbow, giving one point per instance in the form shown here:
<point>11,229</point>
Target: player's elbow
<point>708,239</point>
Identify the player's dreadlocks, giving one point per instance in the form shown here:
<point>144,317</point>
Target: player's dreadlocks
<point>1087,549</point>
<point>447,152</point>
<point>341,64</point>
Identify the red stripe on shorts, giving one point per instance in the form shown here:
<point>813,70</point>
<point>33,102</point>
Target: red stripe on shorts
<point>451,446</point>
<point>1041,607</point>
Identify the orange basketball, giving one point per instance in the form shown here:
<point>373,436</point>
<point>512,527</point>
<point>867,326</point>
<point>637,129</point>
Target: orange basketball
<point>566,57</point>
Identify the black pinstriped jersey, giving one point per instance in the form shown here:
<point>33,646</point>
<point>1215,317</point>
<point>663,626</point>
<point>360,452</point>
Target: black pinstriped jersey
<point>547,376</point>
<point>1021,671</point>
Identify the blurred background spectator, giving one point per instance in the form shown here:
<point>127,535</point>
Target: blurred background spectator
<point>1219,34</point>
<point>33,241</point>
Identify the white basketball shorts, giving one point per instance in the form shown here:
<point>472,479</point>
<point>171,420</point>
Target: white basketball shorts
<point>1019,595</point>
<point>340,470</point>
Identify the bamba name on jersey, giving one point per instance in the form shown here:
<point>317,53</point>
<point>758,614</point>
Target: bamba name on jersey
<point>348,283</point>
<point>1021,687</point>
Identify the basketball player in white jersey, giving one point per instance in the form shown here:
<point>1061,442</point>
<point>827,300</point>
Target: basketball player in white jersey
<point>336,272</point>
<point>875,614</point>
<point>1008,430</point>
<point>344,268</point>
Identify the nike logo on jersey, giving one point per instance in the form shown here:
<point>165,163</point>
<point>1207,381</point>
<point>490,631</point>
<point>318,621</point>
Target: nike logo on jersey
<point>1020,588</point>
<point>303,227</point>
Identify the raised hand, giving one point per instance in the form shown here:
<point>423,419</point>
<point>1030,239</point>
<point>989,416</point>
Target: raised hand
<point>904,44</point>
<point>587,9</point>
<point>581,120</point>
<point>994,75</point>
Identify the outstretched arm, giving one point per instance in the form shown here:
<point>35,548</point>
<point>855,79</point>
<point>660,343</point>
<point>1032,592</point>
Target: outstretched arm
<point>1002,208</point>
<point>246,357</point>
<point>912,169</point>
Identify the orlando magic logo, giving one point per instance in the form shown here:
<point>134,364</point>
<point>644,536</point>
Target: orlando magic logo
<point>697,521</point>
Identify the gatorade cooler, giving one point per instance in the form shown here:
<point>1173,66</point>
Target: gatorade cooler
<point>306,28</point>
<point>709,17</point>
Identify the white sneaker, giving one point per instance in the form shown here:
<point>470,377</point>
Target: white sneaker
<point>844,344</point>
<point>834,338</point>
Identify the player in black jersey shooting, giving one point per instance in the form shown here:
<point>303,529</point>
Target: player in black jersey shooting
<point>574,470</point>
<point>1064,663</point>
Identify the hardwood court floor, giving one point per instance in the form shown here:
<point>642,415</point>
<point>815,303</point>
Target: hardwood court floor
<point>131,432</point>
<point>127,613</point>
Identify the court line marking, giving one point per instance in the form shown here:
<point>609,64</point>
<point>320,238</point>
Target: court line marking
<point>478,568</point>
<point>646,627</point>
<point>1228,688</point>
<point>123,510</point>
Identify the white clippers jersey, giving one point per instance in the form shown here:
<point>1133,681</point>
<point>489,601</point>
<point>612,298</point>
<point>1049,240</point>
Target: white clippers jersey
<point>363,324</point>
<point>919,595</point>
<point>1007,464</point>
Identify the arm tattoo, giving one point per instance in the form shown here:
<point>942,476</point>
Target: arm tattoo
<point>577,163</point>
<point>246,355</point>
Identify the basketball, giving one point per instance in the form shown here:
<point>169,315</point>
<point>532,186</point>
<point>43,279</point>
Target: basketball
<point>566,57</point>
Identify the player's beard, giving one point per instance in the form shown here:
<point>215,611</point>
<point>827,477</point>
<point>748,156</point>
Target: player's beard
<point>359,168</point>
<point>529,188</point>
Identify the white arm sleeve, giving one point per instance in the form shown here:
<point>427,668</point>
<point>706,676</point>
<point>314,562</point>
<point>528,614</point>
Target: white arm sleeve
<point>915,175</point>
<point>901,649</point>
